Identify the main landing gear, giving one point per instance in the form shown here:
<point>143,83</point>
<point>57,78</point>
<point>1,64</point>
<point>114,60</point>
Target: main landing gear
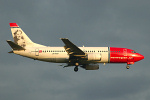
<point>128,67</point>
<point>76,68</point>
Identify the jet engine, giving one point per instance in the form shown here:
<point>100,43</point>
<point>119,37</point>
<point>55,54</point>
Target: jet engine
<point>91,67</point>
<point>94,57</point>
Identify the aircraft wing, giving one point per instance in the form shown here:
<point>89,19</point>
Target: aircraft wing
<point>72,49</point>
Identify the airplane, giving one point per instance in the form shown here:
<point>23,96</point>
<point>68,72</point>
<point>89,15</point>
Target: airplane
<point>84,57</point>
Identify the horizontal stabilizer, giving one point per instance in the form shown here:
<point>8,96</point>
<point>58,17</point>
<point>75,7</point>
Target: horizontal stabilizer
<point>15,46</point>
<point>10,52</point>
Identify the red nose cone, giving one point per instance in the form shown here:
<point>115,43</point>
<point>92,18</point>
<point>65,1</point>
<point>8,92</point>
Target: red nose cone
<point>139,57</point>
<point>142,57</point>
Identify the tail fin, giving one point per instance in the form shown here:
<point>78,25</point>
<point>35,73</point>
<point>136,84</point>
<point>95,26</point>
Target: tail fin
<point>19,36</point>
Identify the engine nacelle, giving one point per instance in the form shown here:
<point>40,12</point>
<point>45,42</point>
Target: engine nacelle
<point>94,57</point>
<point>91,67</point>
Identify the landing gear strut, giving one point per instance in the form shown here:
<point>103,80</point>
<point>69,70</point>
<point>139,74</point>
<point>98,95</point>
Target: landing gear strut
<point>76,68</point>
<point>128,67</point>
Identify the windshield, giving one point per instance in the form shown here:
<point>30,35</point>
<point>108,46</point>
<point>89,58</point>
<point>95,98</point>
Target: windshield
<point>133,51</point>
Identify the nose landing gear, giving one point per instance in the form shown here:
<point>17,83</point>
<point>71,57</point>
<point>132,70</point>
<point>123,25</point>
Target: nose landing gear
<point>128,67</point>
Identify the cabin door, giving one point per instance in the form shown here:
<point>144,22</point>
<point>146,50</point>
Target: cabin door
<point>36,52</point>
<point>125,52</point>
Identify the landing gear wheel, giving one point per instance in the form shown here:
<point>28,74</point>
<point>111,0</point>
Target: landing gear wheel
<point>76,69</point>
<point>128,67</point>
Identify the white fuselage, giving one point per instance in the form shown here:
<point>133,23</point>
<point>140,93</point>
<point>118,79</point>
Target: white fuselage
<point>59,55</point>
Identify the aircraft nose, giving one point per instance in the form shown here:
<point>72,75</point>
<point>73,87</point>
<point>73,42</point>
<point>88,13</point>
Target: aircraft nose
<point>140,57</point>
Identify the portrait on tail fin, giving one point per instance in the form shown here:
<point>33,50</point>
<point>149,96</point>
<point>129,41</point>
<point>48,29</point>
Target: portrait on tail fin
<point>19,39</point>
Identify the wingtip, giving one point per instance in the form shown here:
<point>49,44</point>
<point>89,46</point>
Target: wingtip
<point>13,25</point>
<point>63,38</point>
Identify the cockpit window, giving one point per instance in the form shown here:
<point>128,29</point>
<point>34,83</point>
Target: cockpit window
<point>133,51</point>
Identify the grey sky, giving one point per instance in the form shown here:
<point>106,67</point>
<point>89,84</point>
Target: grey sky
<point>117,23</point>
